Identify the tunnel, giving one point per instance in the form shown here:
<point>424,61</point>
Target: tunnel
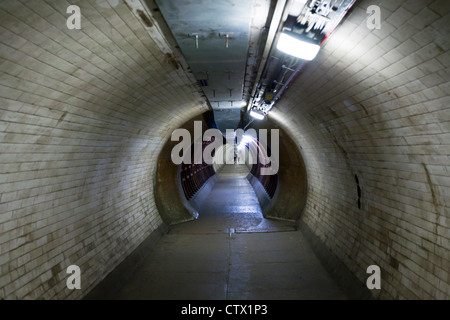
<point>96,95</point>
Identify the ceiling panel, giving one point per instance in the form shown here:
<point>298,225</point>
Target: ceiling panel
<point>201,28</point>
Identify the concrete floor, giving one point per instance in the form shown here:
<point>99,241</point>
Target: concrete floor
<point>231,252</point>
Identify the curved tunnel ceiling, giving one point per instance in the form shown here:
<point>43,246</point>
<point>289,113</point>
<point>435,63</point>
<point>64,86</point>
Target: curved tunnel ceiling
<point>84,115</point>
<point>214,37</point>
<point>231,47</point>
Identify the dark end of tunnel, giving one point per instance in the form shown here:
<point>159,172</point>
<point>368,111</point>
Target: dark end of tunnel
<point>282,196</point>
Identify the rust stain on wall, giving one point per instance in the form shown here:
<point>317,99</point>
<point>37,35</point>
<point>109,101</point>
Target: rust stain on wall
<point>145,18</point>
<point>172,60</point>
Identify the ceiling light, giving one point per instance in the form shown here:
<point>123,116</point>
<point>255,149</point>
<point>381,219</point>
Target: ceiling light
<point>258,115</point>
<point>247,138</point>
<point>291,44</point>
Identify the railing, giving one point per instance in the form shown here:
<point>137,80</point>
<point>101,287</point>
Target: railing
<point>269,182</point>
<point>193,176</point>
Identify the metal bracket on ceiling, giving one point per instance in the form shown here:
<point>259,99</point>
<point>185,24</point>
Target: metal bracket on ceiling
<point>227,36</point>
<point>195,35</point>
<point>284,67</point>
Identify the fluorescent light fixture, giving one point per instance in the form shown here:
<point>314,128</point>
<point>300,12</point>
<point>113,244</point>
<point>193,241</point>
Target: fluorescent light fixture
<point>258,115</point>
<point>298,48</point>
<point>246,138</point>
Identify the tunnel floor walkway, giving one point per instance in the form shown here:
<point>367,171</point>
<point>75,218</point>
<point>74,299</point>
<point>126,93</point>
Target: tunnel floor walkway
<point>231,252</point>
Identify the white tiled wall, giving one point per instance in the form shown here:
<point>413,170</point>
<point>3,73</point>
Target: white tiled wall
<point>83,115</point>
<point>376,104</point>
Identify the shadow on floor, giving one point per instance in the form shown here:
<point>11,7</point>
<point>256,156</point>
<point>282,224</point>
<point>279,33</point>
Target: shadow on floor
<point>231,252</point>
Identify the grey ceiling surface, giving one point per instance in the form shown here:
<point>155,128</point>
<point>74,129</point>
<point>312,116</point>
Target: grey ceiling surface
<point>200,28</point>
